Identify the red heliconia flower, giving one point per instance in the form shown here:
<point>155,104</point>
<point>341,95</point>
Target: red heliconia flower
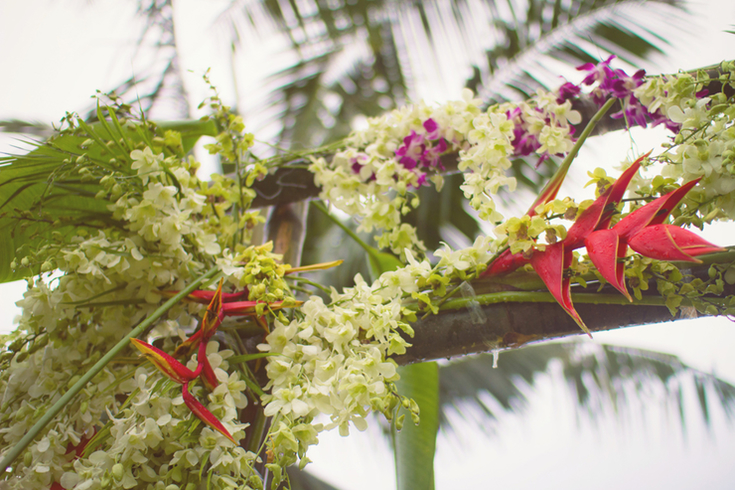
<point>669,242</point>
<point>203,414</point>
<point>246,308</point>
<point>165,363</point>
<point>208,376</point>
<point>644,227</point>
<point>210,322</point>
<point>550,266</point>
<point>643,230</point>
<point>508,261</point>
<point>220,305</point>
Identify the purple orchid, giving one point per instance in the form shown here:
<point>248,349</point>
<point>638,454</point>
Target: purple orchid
<point>411,151</point>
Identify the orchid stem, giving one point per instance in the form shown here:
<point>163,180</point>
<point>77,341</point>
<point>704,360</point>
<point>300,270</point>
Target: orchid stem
<point>19,447</point>
<point>552,186</point>
<point>321,207</point>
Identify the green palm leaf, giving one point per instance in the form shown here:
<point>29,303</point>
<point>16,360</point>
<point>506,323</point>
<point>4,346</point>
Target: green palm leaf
<point>44,198</point>
<point>597,375</point>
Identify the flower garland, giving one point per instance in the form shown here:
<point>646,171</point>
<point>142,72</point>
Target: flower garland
<point>134,427</point>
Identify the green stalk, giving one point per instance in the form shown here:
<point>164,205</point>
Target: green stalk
<point>99,366</point>
<point>552,186</point>
<point>321,207</point>
<point>545,297</point>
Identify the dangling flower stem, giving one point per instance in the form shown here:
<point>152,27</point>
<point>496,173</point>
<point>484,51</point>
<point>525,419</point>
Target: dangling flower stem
<point>555,182</point>
<point>16,450</point>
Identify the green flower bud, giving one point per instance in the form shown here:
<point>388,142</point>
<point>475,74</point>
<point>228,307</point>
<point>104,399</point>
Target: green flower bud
<point>118,471</point>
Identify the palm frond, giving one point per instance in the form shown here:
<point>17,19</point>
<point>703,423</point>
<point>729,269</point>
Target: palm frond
<point>304,480</point>
<point>34,128</point>
<point>599,376</point>
<point>633,31</point>
<point>158,91</point>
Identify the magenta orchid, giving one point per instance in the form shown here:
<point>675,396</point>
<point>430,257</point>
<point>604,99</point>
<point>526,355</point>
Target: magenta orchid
<point>616,83</point>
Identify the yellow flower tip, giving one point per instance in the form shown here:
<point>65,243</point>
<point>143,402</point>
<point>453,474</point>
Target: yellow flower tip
<point>169,366</point>
<point>314,267</point>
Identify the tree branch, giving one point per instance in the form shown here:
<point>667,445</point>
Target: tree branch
<point>502,324</point>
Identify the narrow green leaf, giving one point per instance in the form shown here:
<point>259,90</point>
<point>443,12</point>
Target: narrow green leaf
<point>249,357</point>
<point>35,182</point>
<point>416,444</point>
<point>379,261</point>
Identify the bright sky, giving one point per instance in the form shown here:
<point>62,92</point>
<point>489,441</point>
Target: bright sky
<point>56,54</point>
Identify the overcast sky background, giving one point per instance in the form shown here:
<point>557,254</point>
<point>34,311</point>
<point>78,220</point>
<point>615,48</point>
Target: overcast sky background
<point>55,55</point>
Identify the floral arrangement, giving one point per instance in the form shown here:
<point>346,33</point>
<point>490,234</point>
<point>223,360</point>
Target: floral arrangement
<point>277,368</point>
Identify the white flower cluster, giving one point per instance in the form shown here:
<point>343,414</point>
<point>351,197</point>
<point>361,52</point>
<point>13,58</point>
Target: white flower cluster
<point>111,281</point>
<point>333,361</point>
<point>151,444</point>
<point>372,180</point>
<point>705,145</point>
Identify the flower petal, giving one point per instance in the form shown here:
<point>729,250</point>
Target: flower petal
<point>605,250</point>
<point>244,308</point>
<point>213,316</point>
<point>203,414</point>
<point>208,376</point>
<point>550,265</point>
<point>506,262</point>
<point>653,213</point>
<point>165,363</point>
<point>669,242</point>
<point>598,215</point>
<point>205,297</point>
<point>618,190</point>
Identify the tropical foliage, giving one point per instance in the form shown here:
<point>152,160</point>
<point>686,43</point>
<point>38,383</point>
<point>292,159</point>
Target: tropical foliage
<point>113,203</point>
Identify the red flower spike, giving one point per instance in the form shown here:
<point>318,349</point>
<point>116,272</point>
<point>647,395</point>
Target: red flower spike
<point>587,221</point>
<point>209,324</point>
<point>205,297</point>
<point>203,414</point>
<point>506,262</point>
<point>669,242</point>
<point>208,376</point>
<point>606,250</point>
<point>547,194</point>
<point>653,213</point>
<point>598,215</point>
<point>185,349</point>
<point>213,316</point>
<point>550,266</point>
<point>618,190</point>
<point>165,363</point>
